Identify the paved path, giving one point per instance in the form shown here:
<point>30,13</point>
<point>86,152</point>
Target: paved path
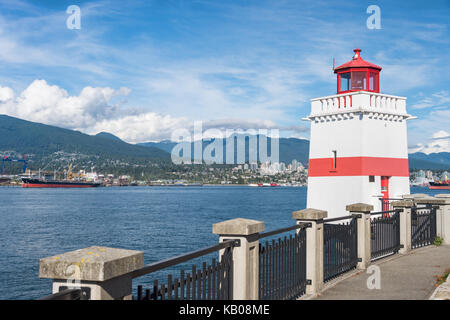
<point>403,277</point>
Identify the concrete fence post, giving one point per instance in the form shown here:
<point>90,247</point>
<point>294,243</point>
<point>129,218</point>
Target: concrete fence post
<point>102,273</point>
<point>363,225</point>
<point>405,224</point>
<point>443,218</point>
<point>245,257</point>
<point>314,247</point>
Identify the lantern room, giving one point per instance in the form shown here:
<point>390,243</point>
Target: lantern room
<point>358,75</point>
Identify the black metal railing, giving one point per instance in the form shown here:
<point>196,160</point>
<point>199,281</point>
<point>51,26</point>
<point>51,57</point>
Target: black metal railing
<point>67,294</point>
<point>210,282</point>
<point>423,226</point>
<point>282,264</point>
<point>340,246</point>
<point>384,233</point>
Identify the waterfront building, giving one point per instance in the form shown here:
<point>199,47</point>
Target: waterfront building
<point>294,165</point>
<point>358,144</point>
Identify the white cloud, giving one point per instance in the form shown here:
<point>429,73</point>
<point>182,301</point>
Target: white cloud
<point>145,127</point>
<point>298,136</point>
<point>436,99</point>
<point>94,110</point>
<point>440,142</point>
<point>6,94</point>
<point>52,105</point>
<point>441,135</point>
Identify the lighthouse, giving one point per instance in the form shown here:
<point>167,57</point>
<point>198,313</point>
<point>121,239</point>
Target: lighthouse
<point>358,144</point>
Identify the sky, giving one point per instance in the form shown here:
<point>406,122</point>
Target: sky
<point>143,69</point>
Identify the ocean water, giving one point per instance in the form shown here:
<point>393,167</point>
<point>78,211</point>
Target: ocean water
<point>161,221</point>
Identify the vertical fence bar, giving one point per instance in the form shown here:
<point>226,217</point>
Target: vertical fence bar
<point>139,292</point>
<point>182,286</point>
<point>188,286</point>
<point>155,289</point>
<point>200,283</point>
<point>194,283</point>
<point>176,285</point>
<point>213,276</point>
<point>169,287</point>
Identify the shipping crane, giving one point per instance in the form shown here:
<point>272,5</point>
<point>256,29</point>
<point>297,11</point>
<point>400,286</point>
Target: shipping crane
<point>8,159</point>
<point>69,173</point>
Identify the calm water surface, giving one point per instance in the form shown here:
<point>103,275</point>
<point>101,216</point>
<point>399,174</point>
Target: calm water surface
<point>161,221</point>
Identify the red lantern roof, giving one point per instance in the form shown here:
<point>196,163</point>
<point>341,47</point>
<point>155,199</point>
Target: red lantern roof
<point>357,62</point>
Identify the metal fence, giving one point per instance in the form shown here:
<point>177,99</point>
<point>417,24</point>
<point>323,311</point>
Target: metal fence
<point>385,233</point>
<point>340,246</point>
<point>67,294</point>
<point>423,226</point>
<point>210,282</point>
<point>282,264</point>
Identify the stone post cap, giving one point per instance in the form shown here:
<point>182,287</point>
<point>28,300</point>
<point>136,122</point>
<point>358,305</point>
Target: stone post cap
<point>444,196</point>
<point>402,204</point>
<point>430,200</point>
<point>309,214</point>
<point>359,207</point>
<point>415,196</point>
<point>238,226</point>
<point>91,264</point>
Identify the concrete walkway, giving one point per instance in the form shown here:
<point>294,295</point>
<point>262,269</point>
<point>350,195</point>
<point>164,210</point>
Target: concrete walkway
<point>403,277</point>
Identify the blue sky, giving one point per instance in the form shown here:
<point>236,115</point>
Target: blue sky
<point>141,69</point>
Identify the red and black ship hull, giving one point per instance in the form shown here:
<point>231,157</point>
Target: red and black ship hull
<point>440,185</point>
<point>37,183</point>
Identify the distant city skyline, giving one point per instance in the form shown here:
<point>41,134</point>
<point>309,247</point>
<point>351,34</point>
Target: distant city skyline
<point>141,70</point>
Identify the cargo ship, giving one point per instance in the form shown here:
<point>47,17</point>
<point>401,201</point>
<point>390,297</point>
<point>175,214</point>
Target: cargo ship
<point>264,184</point>
<point>70,182</point>
<point>440,185</point>
<point>39,183</point>
<point>4,180</point>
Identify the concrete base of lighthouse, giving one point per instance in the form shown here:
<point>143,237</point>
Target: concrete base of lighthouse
<point>333,194</point>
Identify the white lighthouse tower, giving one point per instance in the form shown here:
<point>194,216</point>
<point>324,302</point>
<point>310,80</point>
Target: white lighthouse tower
<point>358,148</point>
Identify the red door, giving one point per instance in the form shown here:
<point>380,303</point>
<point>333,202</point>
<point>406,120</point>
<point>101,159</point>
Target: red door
<point>385,193</point>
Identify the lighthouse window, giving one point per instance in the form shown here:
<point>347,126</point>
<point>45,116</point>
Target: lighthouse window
<point>359,80</point>
<point>334,158</point>
<point>345,81</point>
<point>371,178</point>
<point>372,81</point>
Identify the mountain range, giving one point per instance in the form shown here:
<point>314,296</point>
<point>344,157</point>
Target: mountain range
<point>298,149</point>
<point>41,141</point>
<point>289,148</point>
<point>35,138</point>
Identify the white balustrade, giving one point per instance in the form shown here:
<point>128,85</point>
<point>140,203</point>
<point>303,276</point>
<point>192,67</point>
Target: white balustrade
<point>362,100</point>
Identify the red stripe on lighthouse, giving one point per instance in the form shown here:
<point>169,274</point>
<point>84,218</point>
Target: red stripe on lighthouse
<point>359,166</point>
